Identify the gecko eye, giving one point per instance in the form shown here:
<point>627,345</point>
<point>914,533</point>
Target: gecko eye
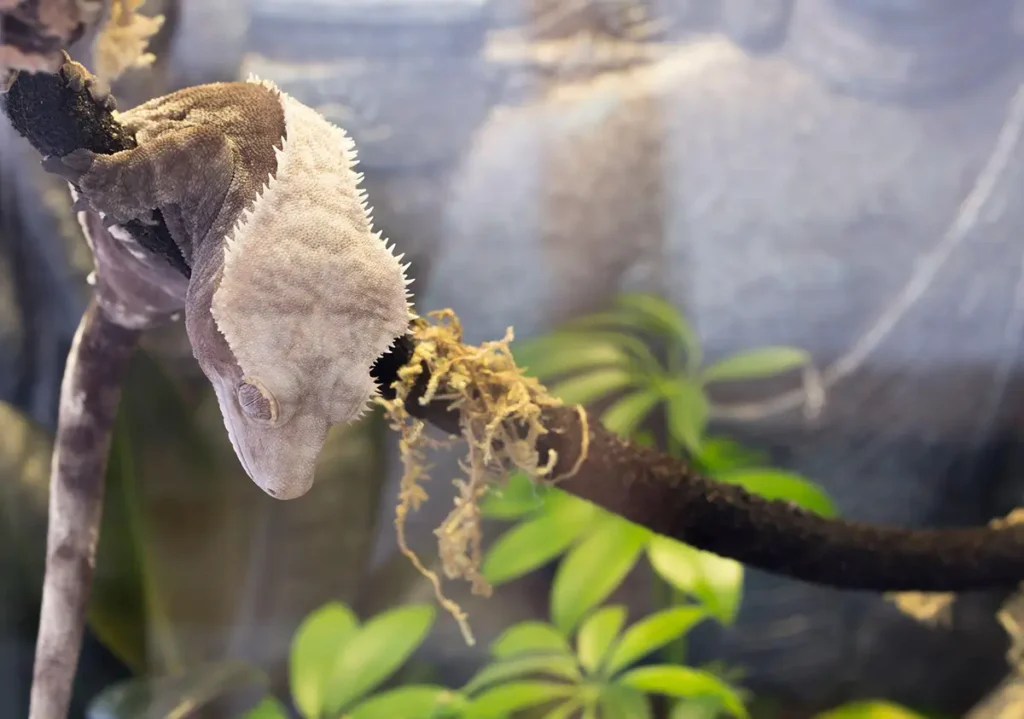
<point>256,402</point>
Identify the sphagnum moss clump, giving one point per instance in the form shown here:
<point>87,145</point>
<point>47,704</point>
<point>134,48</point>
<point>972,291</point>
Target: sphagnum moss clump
<point>500,412</point>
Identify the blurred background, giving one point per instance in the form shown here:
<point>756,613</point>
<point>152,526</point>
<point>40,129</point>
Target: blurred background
<point>836,176</point>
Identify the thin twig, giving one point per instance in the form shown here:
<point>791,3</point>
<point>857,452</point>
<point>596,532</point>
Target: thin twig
<point>90,394</point>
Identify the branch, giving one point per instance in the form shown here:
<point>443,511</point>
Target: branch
<point>668,497</point>
<point>90,394</point>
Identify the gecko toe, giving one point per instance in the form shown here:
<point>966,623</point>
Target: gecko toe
<point>71,166</point>
<point>81,204</point>
<point>74,74</point>
<point>100,93</point>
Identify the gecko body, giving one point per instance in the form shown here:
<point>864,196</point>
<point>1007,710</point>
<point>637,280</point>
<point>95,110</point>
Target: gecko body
<point>292,295</point>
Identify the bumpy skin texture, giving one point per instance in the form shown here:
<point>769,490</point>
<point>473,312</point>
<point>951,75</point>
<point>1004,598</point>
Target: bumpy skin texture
<point>292,296</point>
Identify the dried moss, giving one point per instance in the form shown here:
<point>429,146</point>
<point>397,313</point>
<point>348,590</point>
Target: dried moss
<point>500,413</point>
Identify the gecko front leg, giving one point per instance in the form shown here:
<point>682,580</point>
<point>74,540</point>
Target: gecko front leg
<point>184,166</point>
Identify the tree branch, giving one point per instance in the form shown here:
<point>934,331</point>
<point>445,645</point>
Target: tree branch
<point>90,394</point>
<point>668,497</point>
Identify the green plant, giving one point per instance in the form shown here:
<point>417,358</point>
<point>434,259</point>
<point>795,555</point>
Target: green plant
<point>336,663</point>
<point>607,354</point>
<point>534,664</point>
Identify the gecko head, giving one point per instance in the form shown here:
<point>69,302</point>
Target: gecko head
<point>278,423</point>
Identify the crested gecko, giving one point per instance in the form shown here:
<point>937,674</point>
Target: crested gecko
<point>291,294</point>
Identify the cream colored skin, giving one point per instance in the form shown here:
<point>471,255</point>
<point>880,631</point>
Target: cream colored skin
<point>292,294</point>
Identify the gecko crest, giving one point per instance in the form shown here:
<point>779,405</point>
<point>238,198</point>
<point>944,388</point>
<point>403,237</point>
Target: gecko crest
<point>310,294</point>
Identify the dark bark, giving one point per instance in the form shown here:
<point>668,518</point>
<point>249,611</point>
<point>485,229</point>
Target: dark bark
<point>667,496</point>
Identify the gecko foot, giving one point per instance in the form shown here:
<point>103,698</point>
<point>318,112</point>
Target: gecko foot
<point>72,167</point>
<point>78,78</point>
<point>99,179</point>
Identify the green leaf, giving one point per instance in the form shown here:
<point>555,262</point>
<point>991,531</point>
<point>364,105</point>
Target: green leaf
<point>697,708</point>
<point>565,710</point>
<point>586,388</point>
<point>557,666</point>
<point>535,542</point>
<point>655,313</point>
<point>687,413</point>
<point>720,454</point>
<point>182,694</point>
<point>621,702</point>
<point>501,701</point>
<point>315,649</point>
<point>629,412</point>
<point>527,637</point>
<point>373,653</point>
<point>563,352</point>
<point>642,359</point>
<point>777,484</point>
<point>870,710</point>
<point>596,635</point>
<point>756,364</point>
<point>652,633</point>
<point>593,568</point>
<point>518,497</point>
<point>572,508</point>
<point>269,708</point>
<point>683,682</point>
<point>409,701</point>
<point>715,581</point>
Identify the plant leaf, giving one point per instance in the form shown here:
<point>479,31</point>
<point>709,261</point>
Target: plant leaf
<point>565,710</point>
<point>658,314</point>
<point>594,385</point>
<point>174,695</point>
<point>777,484</point>
<point>697,708</point>
<point>596,635</point>
<point>556,666</point>
<point>518,497</point>
<point>501,701</point>
<point>373,653</point>
<point>408,701</point>
<point>715,581</point>
<point>269,708</point>
<point>687,413</point>
<point>684,682</point>
<point>314,651</point>
<point>757,363</point>
<point>720,454</point>
<point>535,542</point>
<point>652,633</point>
<point>562,352</point>
<point>527,637</point>
<point>629,412</point>
<point>870,710</point>
<point>593,568</point>
<point>622,702</point>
